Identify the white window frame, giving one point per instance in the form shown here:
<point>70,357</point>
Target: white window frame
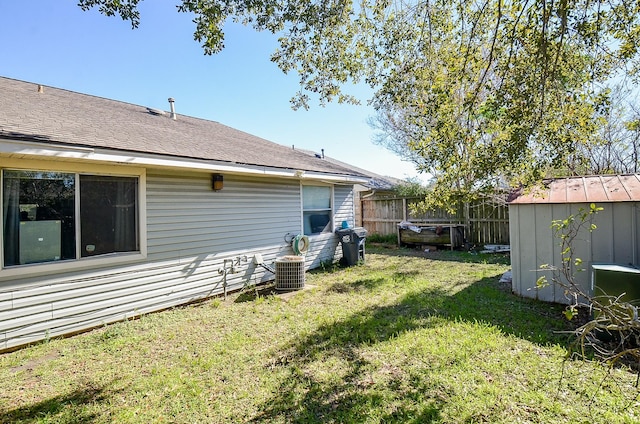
<point>44,268</point>
<point>331,208</point>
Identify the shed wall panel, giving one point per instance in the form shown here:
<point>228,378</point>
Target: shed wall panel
<point>523,221</point>
<point>616,240</point>
<point>622,242</point>
<point>544,249</point>
<point>605,238</point>
<point>635,232</point>
<point>583,249</point>
<point>514,231</point>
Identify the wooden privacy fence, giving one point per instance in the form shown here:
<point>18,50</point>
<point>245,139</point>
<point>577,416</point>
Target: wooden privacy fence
<point>485,221</point>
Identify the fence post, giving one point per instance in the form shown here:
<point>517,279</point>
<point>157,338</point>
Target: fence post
<point>404,209</point>
<point>467,221</point>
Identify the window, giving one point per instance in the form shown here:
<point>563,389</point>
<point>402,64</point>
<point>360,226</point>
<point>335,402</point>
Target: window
<point>55,216</point>
<point>108,214</point>
<point>316,209</point>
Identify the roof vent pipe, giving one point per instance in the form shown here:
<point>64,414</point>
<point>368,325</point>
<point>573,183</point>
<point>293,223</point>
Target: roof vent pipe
<point>322,153</point>
<point>40,88</point>
<point>173,108</point>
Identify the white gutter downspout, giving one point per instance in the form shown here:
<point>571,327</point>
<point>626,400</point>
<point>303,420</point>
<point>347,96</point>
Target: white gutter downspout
<point>368,195</point>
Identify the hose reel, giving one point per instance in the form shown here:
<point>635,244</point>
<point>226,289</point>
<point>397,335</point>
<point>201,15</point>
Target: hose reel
<point>300,244</point>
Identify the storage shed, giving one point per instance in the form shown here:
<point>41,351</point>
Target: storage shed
<point>616,239</point>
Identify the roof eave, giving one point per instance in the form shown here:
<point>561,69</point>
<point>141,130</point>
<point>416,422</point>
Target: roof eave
<point>37,149</point>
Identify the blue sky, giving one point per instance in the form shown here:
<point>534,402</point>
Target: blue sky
<point>57,44</point>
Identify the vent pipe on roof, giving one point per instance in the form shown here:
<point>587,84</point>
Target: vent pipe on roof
<point>173,108</point>
<point>40,88</point>
<point>322,153</point>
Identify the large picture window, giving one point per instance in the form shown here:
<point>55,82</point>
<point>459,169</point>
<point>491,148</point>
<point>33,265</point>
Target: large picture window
<point>41,221</point>
<point>316,209</point>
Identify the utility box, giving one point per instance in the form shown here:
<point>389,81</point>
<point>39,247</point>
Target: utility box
<point>352,240</point>
<point>616,280</point>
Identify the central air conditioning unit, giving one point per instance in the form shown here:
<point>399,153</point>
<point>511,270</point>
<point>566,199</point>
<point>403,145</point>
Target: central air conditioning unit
<point>290,273</point>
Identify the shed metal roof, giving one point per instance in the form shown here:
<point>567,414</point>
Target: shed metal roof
<point>66,118</point>
<point>590,189</point>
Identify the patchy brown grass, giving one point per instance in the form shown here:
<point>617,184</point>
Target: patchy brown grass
<point>406,337</point>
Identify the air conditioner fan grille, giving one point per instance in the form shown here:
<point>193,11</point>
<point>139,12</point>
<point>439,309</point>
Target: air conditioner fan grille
<point>290,273</point>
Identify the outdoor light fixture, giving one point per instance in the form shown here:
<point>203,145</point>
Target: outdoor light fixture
<point>217,182</point>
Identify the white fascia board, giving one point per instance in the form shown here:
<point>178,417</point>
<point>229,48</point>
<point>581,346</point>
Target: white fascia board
<point>65,152</point>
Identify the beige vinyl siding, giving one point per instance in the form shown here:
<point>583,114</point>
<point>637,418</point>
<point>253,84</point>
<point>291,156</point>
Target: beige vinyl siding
<point>343,206</point>
<point>616,240</point>
<point>70,304</point>
<point>191,230</point>
<point>184,212</point>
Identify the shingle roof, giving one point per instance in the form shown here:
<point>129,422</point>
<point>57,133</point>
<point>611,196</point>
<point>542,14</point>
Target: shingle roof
<point>375,181</point>
<point>64,117</point>
<point>598,188</point>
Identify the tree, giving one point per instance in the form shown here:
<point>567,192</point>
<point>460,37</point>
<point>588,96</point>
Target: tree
<point>618,151</point>
<point>476,112</point>
<point>473,92</point>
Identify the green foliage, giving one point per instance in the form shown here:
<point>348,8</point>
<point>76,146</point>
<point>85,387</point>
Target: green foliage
<point>329,266</point>
<point>542,281</point>
<point>570,312</point>
<point>567,231</point>
<point>489,111</point>
<point>477,94</point>
<point>412,189</point>
<point>126,9</point>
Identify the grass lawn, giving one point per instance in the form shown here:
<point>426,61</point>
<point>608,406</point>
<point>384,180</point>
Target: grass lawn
<point>407,337</point>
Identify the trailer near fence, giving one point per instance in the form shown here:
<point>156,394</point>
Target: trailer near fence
<point>485,221</point>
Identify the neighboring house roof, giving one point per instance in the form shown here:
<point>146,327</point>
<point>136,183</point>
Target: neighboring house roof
<point>591,189</point>
<point>375,181</point>
<point>61,117</point>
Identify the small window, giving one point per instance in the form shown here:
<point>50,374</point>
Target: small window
<point>316,209</point>
<point>40,223</point>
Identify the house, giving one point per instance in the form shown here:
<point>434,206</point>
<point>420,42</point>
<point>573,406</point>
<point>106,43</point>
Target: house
<point>616,240</point>
<point>111,210</point>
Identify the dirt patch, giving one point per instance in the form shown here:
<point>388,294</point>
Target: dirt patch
<point>251,294</point>
<point>32,364</point>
